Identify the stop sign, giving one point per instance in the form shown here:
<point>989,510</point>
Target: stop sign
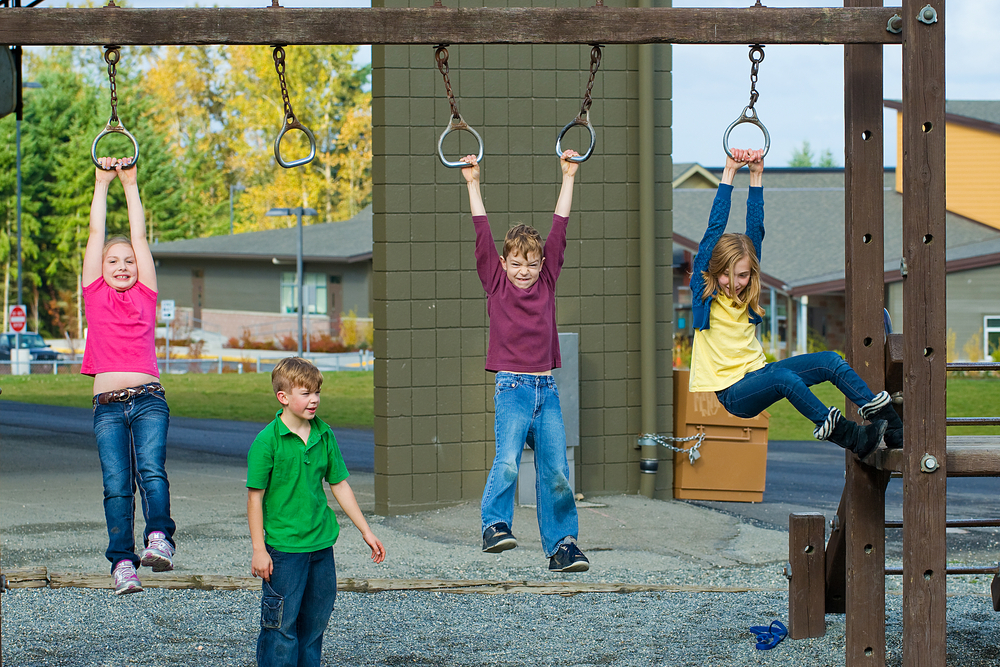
<point>18,318</point>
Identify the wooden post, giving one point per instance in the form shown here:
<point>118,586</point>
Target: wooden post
<point>806,562</point>
<point>863,506</point>
<point>924,335</point>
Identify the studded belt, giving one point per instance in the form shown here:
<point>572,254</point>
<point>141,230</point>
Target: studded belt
<point>128,393</point>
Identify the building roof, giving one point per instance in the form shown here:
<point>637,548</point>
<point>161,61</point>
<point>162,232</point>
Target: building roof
<point>981,114</point>
<point>346,241</point>
<point>803,251</point>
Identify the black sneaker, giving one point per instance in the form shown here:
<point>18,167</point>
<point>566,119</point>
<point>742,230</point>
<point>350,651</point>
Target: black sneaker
<point>498,538</point>
<point>569,558</point>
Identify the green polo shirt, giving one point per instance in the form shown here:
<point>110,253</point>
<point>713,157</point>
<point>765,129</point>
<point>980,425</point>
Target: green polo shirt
<point>297,517</point>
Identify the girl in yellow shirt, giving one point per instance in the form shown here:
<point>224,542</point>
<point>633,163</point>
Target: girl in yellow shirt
<point>727,357</point>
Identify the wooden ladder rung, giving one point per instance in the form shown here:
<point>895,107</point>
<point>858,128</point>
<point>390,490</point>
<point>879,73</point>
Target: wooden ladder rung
<point>968,456</point>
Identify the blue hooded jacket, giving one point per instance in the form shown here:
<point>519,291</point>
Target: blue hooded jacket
<point>717,221</point>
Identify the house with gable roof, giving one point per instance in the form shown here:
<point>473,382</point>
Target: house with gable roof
<point>802,260</point>
<point>228,285</point>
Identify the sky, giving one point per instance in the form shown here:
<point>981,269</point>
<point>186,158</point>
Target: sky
<point>801,87</point>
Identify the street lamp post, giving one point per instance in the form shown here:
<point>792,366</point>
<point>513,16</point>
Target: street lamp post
<point>239,187</point>
<point>298,213</point>
<point>17,134</point>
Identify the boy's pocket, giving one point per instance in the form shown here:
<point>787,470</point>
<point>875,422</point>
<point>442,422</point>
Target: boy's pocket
<point>272,606</point>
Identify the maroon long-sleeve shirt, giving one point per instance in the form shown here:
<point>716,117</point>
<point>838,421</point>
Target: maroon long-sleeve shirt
<point>523,337</point>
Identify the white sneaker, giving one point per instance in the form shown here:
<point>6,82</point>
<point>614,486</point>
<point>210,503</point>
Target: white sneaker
<point>158,553</point>
<point>125,578</point>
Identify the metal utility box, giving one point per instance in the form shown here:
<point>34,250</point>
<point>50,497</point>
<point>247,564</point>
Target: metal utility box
<point>568,382</point>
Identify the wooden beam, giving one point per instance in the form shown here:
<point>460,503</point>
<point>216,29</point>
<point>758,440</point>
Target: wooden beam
<point>864,488</point>
<point>924,336</point>
<point>436,25</point>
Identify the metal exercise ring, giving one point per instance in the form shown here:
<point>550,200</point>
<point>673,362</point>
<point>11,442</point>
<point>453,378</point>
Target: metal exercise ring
<point>748,116</point>
<point>294,125</point>
<point>114,129</point>
<point>458,124</point>
<point>593,139</point>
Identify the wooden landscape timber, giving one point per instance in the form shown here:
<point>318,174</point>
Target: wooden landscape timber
<point>443,25</point>
<point>40,577</point>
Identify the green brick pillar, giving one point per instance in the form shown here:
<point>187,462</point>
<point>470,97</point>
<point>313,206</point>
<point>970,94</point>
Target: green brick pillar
<point>433,400</point>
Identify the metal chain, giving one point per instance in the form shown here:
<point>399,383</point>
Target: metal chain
<point>756,49</point>
<point>665,440</point>
<point>595,64</point>
<point>441,57</point>
<point>112,62</point>
<point>279,67</point>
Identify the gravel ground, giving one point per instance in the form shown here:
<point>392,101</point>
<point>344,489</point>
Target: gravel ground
<point>83,628</point>
<point>52,517</point>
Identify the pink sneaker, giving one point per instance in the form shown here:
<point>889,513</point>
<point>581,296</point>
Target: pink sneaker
<point>126,580</point>
<point>158,553</point>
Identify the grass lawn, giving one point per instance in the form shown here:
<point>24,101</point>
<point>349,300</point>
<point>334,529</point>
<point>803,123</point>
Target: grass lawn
<point>348,396</point>
<point>348,399</point>
<point>967,397</point>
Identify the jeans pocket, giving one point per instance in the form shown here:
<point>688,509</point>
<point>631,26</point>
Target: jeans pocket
<point>506,383</point>
<point>272,607</point>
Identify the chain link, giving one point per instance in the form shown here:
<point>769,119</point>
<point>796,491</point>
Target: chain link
<point>595,64</point>
<point>665,440</point>
<point>758,50</point>
<point>112,70</point>
<point>279,67</point>
<point>441,58</point>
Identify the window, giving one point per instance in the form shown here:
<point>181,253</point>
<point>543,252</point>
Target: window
<point>314,285</point>
<point>991,335</point>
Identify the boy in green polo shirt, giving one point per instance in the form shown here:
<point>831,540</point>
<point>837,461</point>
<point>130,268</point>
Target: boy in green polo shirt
<point>291,525</point>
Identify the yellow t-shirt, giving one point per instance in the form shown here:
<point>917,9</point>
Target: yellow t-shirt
<point>727,350</point>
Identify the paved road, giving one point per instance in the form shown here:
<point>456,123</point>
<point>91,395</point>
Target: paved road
<point>801,476</point>
<point>212,436</point>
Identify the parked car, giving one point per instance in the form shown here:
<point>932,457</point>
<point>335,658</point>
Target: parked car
<point>40,351</point>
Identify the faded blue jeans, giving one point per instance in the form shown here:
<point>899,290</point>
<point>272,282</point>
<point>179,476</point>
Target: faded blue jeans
<point>791,378</point>
<point>295,608</point>
<point>132,445</point>
<point>527,411</point>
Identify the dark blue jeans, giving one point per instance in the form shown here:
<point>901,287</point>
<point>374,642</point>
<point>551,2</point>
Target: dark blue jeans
<point>295,608</point>
<point>791,378</point>
<point>528,412</point>
<point>132,444</point>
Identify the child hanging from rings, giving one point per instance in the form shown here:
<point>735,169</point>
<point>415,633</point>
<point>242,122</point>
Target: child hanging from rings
<point>130,411</point>
<point>728,359</point>
<point>523,350</point>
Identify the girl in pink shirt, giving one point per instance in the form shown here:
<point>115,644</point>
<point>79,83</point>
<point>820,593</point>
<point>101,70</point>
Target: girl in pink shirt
<point>130,411</point>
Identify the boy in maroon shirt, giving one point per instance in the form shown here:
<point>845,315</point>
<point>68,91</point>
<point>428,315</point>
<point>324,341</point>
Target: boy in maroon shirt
<point>524,348</point>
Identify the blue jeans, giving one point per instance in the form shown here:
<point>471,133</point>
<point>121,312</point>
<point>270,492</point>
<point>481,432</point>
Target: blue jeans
<point>132,445</point>
<point>791,378</point>
<point>295,608</point>
<point>527,411</point>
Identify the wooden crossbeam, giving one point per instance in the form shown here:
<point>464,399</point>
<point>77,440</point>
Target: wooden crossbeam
<point>439,25</point>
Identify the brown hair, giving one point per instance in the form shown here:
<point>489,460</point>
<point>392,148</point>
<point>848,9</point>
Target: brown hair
<point>522,240</point>
<point>115,240</point>
<point>292,372</point>
<point>729,250</point>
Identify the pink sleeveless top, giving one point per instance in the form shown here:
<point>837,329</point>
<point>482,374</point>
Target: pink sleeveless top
<point>121,334</point>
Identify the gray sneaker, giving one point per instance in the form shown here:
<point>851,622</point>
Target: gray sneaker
<point>126,580</point>
<point>568,558</point>
<point>159,553</point>
<point>498,538</point>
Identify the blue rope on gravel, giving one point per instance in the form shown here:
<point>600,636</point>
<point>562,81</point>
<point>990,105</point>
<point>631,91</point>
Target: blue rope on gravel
<point>769,636</point>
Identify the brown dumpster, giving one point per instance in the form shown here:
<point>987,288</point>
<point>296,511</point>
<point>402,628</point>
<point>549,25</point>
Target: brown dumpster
<point>733,458</point>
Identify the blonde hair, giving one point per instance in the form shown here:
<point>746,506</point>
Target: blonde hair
<point>522,240</point>
<point>115,240</point>
<point>292,372</point>
<point>729,250</point>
